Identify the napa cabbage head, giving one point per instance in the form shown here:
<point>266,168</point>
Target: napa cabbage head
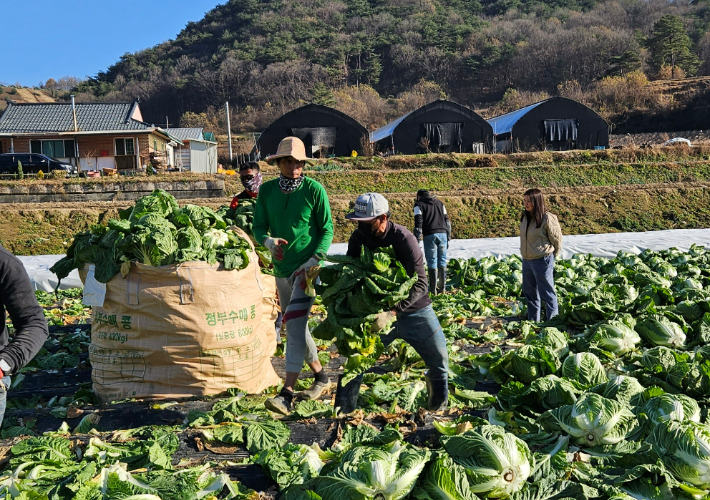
<point>545,393</point>
<point>665,269</point>
<point>702,354</point>
<point>671,407</point>
<point>584,368</point>
<point>497,462</point>
<point>552,338</point>
<point>690,310</point>
<point>444,479</point>
<point>158,202</point>
<point>684,448</point>
<point>662,359</point>
<point>215,238</point>
<point>291,464</point>
<point>689,284</point>
<point>620,388</point>
<point>660,331</point>
<point>615,337</point>
<point>530,362</point>
<point>643,279</point>
<point>384,473</point>
<point>592,421</point>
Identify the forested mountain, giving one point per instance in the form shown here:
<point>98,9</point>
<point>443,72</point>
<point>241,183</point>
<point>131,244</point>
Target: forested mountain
<point>378,58</point>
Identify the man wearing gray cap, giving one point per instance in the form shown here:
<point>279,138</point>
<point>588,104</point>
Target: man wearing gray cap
<point>416,322</point>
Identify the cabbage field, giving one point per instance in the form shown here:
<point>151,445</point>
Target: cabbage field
<point>609,400</point>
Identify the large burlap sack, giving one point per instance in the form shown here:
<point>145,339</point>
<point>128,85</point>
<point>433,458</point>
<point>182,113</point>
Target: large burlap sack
<point>191,329</point>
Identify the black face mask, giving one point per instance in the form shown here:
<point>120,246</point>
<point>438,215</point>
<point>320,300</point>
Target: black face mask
<point>367,228</point>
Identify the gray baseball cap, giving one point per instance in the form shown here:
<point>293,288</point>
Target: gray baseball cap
<point>368,206</point>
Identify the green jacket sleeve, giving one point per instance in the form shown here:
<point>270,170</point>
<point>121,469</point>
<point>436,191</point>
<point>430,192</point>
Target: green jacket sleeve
<point>260,225</point>
<point>324,220</point>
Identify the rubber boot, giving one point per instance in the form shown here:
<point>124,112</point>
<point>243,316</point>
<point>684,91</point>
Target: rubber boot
<point>438,394</point>
<point>432,281</point>
<point>346,395</point>
<point>441,284</point>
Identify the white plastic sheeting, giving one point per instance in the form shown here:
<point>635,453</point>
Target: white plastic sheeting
<point>42,278</point>
<point>601,245</point>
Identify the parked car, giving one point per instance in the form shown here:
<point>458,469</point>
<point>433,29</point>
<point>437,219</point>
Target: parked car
<point>32,163</point>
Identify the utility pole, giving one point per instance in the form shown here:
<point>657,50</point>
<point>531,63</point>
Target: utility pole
<point>229,130</point>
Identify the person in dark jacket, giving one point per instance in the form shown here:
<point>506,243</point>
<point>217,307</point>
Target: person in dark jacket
<point>416,322</point>
<point>250,175</point>
<point>431,224</point>
<point>18,299</point>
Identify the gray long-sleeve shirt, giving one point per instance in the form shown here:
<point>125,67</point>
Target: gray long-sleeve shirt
<point>18,298</point>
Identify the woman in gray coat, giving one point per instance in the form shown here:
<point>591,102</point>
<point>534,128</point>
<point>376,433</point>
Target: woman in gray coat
<point>540,243</point>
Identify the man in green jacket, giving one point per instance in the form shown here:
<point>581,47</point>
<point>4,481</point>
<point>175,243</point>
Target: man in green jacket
<point>292,219</point>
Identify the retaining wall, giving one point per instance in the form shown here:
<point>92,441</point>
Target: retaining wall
<point>37,192</point>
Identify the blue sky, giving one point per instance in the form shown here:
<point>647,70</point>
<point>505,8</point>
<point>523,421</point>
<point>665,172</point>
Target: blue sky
<point>55,38</point>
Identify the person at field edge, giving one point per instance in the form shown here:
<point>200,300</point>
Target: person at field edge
<point>540,243</point>
<point>17,297</point>
<point>432,225</point>
<point>415,320</point>
<point>250,176</point>
<point>292,219</point>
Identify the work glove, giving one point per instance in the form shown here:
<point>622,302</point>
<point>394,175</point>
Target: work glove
<point>312,262</point>
<point>308,273</point>
<point>418,233</point>
<point>276,247</point>
<point>381,321</point>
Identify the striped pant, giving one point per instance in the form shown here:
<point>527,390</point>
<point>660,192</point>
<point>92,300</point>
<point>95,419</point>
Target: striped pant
<point>296,306</point>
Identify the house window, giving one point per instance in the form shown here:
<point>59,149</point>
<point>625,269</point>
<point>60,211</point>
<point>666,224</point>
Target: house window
<point>125,147</point>
<point>54,149</point>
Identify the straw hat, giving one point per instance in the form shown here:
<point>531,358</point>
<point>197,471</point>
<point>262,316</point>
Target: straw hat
<point>291,146</point>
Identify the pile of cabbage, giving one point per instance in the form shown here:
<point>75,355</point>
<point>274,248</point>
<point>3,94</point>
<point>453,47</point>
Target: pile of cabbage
<point>611,397</point>
<point>355,291</point>
<point>155,232</point>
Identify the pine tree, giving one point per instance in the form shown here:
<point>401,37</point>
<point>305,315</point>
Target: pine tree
<point>626,63</point>
<point>670,45</point>
<point>320,94</point>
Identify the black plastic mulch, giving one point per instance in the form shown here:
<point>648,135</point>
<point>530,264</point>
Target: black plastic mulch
<point>126,415</point>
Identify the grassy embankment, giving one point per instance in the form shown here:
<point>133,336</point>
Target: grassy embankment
<point>592,192</point>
